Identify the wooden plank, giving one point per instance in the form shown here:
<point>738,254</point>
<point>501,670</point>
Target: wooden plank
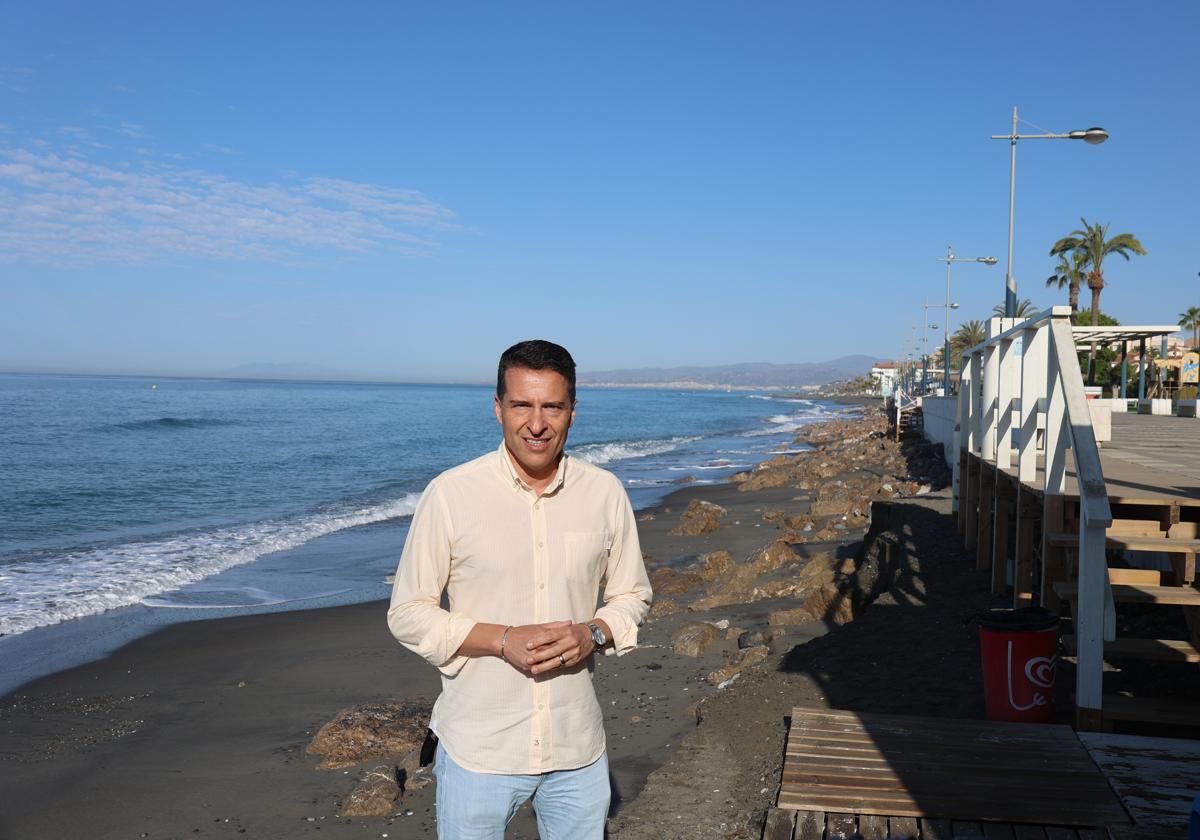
<point>966,830</point>
<point>1139,832</point>
<point>1002,536</point>
<point>1136,528</point>
<point>1163,650</point>
<point>780,824</point>
<point>998,831</point>
<point>1184,596</point>
<point>840,827</point>
<point>1028,520</point>
<point>1053,557</point>
<point>903,828</point>
<point>965,775</point>
<point>801,793</point>
<point>873,827</point>
<point>1131,543</point>
<point>971,503</point>
<point>1154,777</point>
<point>1144,577</point>
<point>983,729</point>
<point>1184,530</point>
<point>936,830</point>
<point>1054,832</point>
<point>1068,812</point>
<point>882,739</point>
<point>810,825</point>
<point>983,542</point>
<point>1029,832</point>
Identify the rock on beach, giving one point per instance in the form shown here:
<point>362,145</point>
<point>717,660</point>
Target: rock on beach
<point>700,518</point>
<point>371,730</point>
<point>374,796</point>
<point>694,639</point>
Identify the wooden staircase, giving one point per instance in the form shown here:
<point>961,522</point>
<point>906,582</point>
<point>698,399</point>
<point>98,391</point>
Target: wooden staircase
<point>1145,586</point>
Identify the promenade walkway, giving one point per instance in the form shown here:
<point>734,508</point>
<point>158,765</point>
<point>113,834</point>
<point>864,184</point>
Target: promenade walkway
<point>1166,444</point>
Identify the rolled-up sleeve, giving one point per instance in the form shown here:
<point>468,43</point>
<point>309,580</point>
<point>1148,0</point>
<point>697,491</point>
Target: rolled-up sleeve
<point>415,616</point>
<point>627,592</point>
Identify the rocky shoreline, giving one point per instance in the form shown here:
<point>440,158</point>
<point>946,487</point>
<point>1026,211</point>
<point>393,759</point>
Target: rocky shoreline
<point>829,578</point>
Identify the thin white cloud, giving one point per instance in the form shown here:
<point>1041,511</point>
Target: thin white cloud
<point>213,147</point>
<point>133,130</point>
<point>58,207</point>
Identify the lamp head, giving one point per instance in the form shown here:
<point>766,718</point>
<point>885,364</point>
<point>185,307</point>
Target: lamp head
<point>1093,136</point>
<point>954,306</point>
<point>988,260</point>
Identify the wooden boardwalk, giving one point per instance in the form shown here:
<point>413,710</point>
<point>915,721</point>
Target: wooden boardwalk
<point>868,775</point>
<point>1157,779</point>
<point>1150,460</point>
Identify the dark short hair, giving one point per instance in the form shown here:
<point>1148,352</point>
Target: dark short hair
<point>537,355</point>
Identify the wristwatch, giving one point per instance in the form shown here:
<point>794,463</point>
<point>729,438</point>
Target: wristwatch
<point>598,635</point>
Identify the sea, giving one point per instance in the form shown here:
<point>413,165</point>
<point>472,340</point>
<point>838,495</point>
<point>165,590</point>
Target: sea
<point>130,503</point>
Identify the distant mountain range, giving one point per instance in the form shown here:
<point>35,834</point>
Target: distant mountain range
<point>746,374</point>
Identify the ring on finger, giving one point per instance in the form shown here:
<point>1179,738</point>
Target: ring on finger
<point>562,660</point>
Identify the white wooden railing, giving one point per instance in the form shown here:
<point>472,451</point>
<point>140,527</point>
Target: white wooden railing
<point>1026,377</point>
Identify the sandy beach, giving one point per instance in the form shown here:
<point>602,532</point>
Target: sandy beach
<point>201,729</point>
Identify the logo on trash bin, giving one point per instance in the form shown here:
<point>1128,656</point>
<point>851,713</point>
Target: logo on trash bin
<point>1039,671</point>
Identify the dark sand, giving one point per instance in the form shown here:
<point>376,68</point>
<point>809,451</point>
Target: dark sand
<point>199,730</point>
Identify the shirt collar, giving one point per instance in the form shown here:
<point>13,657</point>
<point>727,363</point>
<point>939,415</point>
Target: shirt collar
<point>510,473</point>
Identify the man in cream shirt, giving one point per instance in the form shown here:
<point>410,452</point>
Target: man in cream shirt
<point>520,541</point>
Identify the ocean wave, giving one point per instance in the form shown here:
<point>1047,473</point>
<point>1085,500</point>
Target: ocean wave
<point>258,598</point>
<point>796,400</point>
<point>169,424</point>
<point>603,453</point>
<point>42,592</point>
<point>727,466</point>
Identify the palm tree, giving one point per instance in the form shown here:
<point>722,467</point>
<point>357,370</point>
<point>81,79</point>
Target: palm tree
<point>1093,242</point>
<point>1025,308</point>
<point>967,336</point>
<point>1190,320</point>
<point>1070,273</point>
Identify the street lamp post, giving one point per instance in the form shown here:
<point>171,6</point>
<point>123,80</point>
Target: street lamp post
<point>925,346</point>
<point>949,260</point>
<point>1093,136</point>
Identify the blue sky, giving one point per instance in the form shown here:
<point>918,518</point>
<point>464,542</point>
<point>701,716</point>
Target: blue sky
<point>401,190</point>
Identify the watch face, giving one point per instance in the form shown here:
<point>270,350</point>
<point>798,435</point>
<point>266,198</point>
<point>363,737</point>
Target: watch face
<point>597,635</point>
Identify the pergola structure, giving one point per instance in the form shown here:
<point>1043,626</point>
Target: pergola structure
<point>1123,335</point>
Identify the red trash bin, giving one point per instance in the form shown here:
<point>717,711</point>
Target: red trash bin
<point>1019,649</point>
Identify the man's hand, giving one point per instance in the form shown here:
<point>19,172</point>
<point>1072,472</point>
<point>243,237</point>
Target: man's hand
<point>562,645</point>
<point>538,648</point>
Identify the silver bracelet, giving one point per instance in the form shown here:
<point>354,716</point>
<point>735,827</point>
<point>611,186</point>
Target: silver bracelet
<point>503,639</point>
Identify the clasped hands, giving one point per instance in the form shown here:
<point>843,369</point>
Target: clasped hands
<point>538,648</point>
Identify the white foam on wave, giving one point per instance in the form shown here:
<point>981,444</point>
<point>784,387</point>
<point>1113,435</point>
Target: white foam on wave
<point>604,453</point>
<point>726,466</point>
<point>47,591</point>
<point>797,400</point>
<point>264,599</point>
<point>783,424</point>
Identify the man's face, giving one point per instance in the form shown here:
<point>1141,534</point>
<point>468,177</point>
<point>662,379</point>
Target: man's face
<point>535,414</point>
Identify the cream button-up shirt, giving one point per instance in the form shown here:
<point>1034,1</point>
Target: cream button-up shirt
<point>504,555</point>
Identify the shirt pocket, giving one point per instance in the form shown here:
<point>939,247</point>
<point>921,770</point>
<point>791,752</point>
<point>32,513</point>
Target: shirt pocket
<point>586,554</point>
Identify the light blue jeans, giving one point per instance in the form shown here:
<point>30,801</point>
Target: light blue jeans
<point>570,804</point>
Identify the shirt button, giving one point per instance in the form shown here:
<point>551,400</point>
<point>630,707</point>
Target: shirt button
<point>541,586</point>
<point>541,544</point>
<point>540,707</point>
